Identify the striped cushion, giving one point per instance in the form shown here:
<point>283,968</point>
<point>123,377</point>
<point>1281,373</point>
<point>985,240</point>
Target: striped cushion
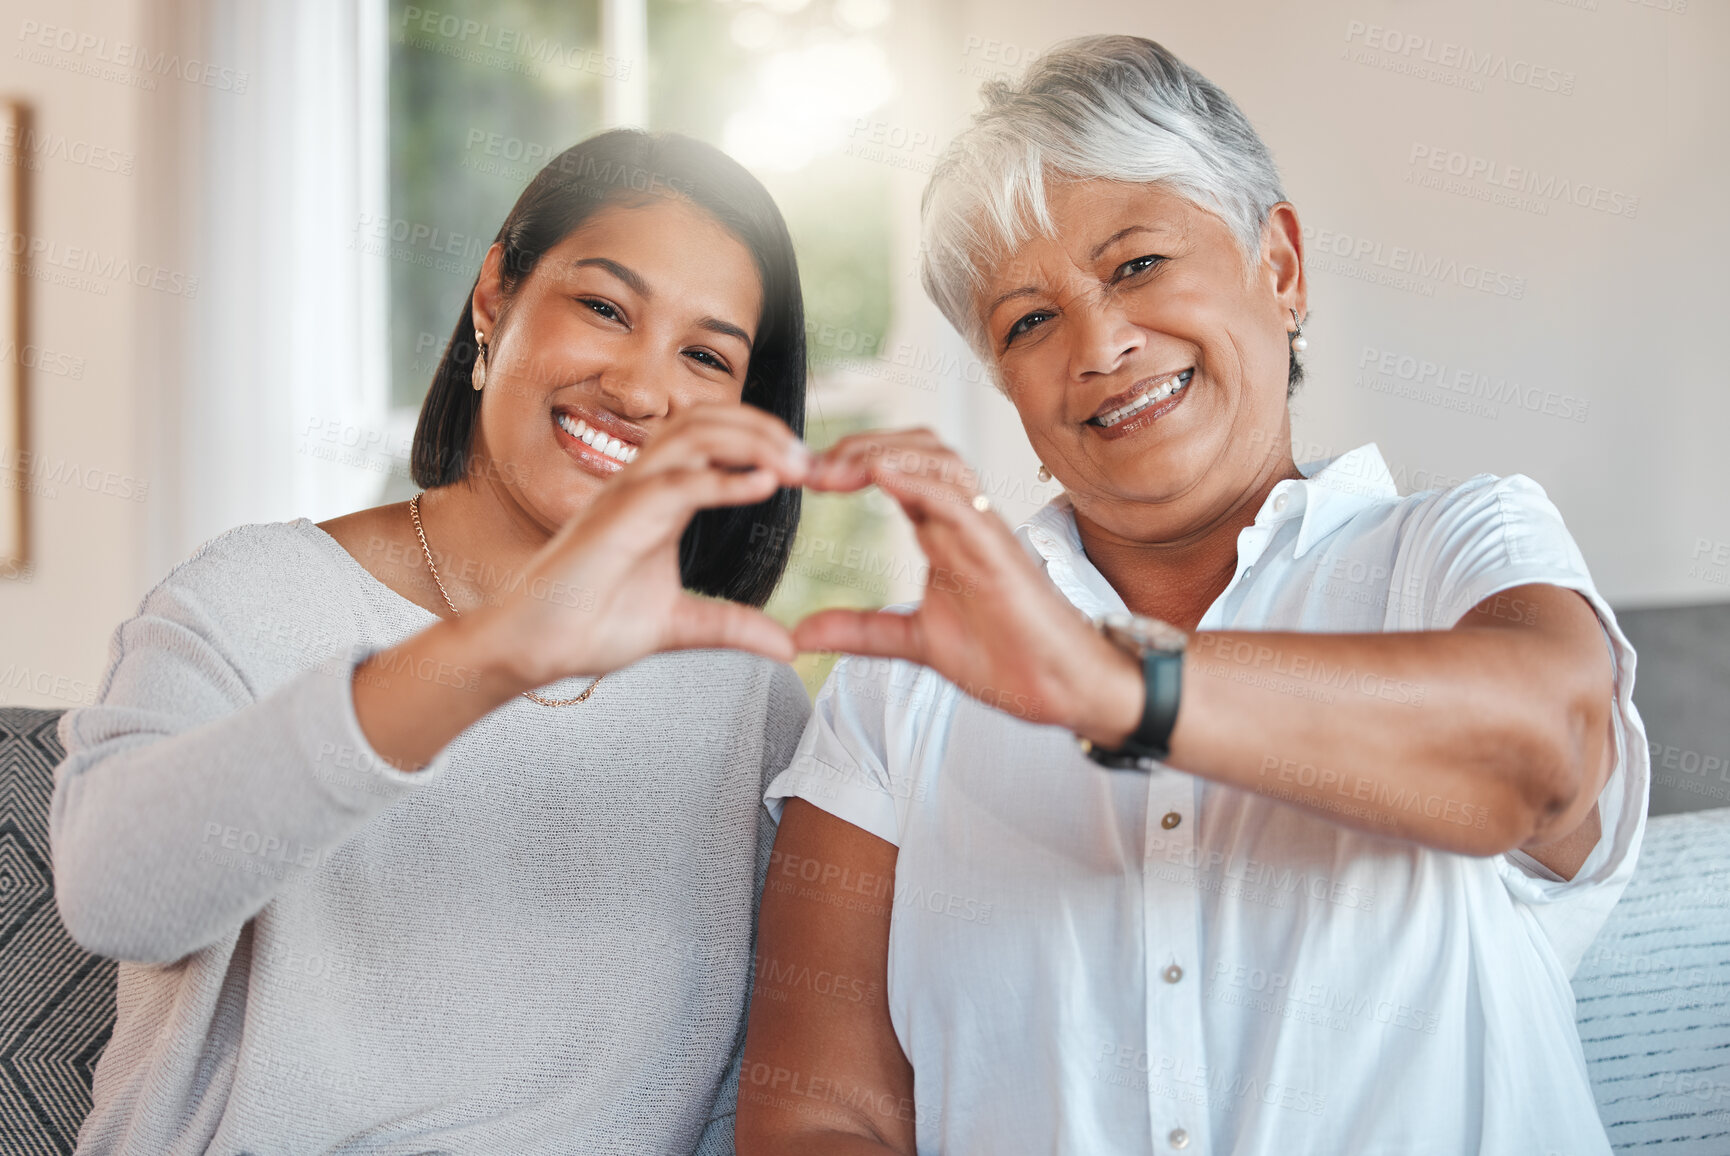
<point>56,1000</point>
<point>1654,995</point>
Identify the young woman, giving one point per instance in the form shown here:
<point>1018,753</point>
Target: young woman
<point>437,827</point>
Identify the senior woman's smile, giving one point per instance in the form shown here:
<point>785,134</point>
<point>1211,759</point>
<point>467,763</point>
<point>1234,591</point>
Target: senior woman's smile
<point>1146,350</point>
<point>1141,403</point>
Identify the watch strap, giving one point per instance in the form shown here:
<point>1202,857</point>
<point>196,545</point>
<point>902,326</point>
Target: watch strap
<point>1162,681</point>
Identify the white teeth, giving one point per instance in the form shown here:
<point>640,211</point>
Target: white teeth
<point>581,430</point>
<point>1151,397</point>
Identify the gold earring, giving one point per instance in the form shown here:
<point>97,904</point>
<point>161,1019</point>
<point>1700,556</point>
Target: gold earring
<point>1044,474</point>
<point>479,376</point>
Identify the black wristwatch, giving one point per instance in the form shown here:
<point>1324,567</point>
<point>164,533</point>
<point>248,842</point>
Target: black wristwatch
<point>1159,647</point>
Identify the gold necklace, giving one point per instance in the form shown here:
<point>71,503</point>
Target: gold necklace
<point>414,512</point>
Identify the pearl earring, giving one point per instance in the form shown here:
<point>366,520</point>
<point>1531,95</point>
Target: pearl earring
<point>480,371</point>
<point>1044,474</point>
<point>1299,342</point>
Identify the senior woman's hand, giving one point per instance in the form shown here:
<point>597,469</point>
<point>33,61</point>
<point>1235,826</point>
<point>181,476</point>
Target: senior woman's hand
<point>993,624</point>
<point>990,621</point>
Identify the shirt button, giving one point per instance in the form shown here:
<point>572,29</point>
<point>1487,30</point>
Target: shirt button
<point>1173,973</point>
<point>1172,819</point>
<point>1179,1138</point>
<point>1279,503</point>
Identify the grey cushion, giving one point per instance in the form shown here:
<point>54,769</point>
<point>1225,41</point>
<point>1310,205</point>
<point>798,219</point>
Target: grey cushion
<point>1654,995</point>
<point>56,1000</point>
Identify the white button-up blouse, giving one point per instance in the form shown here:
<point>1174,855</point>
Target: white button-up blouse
<point>1089,961</point>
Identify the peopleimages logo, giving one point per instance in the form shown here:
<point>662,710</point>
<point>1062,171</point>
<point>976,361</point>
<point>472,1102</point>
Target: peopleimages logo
<point>523,50</point>
<point>31,146</point>
<point>1450,61</point>
<point>1401,267</point>
<point>1384,370</point>
<point>81,267</point>
<point>42,360</point>
<point>42,475</point>
<point>1543,187</point>
<point>99,50</point>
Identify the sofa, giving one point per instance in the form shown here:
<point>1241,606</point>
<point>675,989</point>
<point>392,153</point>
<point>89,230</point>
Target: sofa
<point>1653,993</point>
<point>56,1000</point>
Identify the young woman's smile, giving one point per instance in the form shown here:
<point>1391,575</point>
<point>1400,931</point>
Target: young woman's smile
<point>640,313</point>
<point>598,440</point>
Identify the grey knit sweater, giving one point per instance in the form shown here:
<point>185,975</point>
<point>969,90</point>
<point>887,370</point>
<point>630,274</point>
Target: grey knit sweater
<point>539,943</point>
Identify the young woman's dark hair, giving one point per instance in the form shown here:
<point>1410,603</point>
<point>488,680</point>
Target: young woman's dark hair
<point>736,552</point>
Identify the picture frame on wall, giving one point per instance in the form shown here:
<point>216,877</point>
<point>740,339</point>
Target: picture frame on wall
<point>14,457</point>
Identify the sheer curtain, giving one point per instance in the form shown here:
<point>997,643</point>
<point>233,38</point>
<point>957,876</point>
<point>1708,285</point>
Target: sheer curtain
<point>270,389</point>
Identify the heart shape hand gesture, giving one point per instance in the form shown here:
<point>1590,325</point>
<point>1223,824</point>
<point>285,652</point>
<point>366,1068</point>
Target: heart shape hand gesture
<point>990,620</point>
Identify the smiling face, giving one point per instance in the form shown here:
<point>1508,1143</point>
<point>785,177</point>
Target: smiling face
<point>1149,369</point>
<point>640,312</point>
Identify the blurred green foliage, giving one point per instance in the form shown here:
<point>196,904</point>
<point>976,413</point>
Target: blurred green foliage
<point>444,90</point>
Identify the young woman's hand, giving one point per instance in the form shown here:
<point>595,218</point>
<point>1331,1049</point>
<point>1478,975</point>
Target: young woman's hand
<point>606,590</point>
<point>990,621</point>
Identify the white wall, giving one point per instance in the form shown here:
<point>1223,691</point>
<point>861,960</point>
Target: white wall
<point>200,167</point>
<point>1618,313</point>
<point>89,491</point>
<point>1617,317</point>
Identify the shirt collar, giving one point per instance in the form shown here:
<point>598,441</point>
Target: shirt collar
<point>1331,492</point>
<point>1334,491</point>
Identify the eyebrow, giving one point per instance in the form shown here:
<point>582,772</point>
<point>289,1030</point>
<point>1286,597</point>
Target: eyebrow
<point>1098,251</point>
<point>641,288</point>
<point>1024,291</point>
<point>623,272</point>
<point>1128,230</point>
<point>716,325</point>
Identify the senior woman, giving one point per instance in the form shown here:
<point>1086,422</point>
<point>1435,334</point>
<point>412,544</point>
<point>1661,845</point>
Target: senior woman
<point>1373,774</point>
<point>409,836</point>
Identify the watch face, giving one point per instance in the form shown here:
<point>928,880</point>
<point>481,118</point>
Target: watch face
<point>1143,633</point>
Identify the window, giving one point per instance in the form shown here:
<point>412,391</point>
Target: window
<point>483,94</point>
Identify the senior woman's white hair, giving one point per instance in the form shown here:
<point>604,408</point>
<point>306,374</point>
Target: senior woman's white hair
<point>1121,108</point>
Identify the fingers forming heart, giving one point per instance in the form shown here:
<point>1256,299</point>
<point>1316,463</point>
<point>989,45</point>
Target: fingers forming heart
<point>968,549</point>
